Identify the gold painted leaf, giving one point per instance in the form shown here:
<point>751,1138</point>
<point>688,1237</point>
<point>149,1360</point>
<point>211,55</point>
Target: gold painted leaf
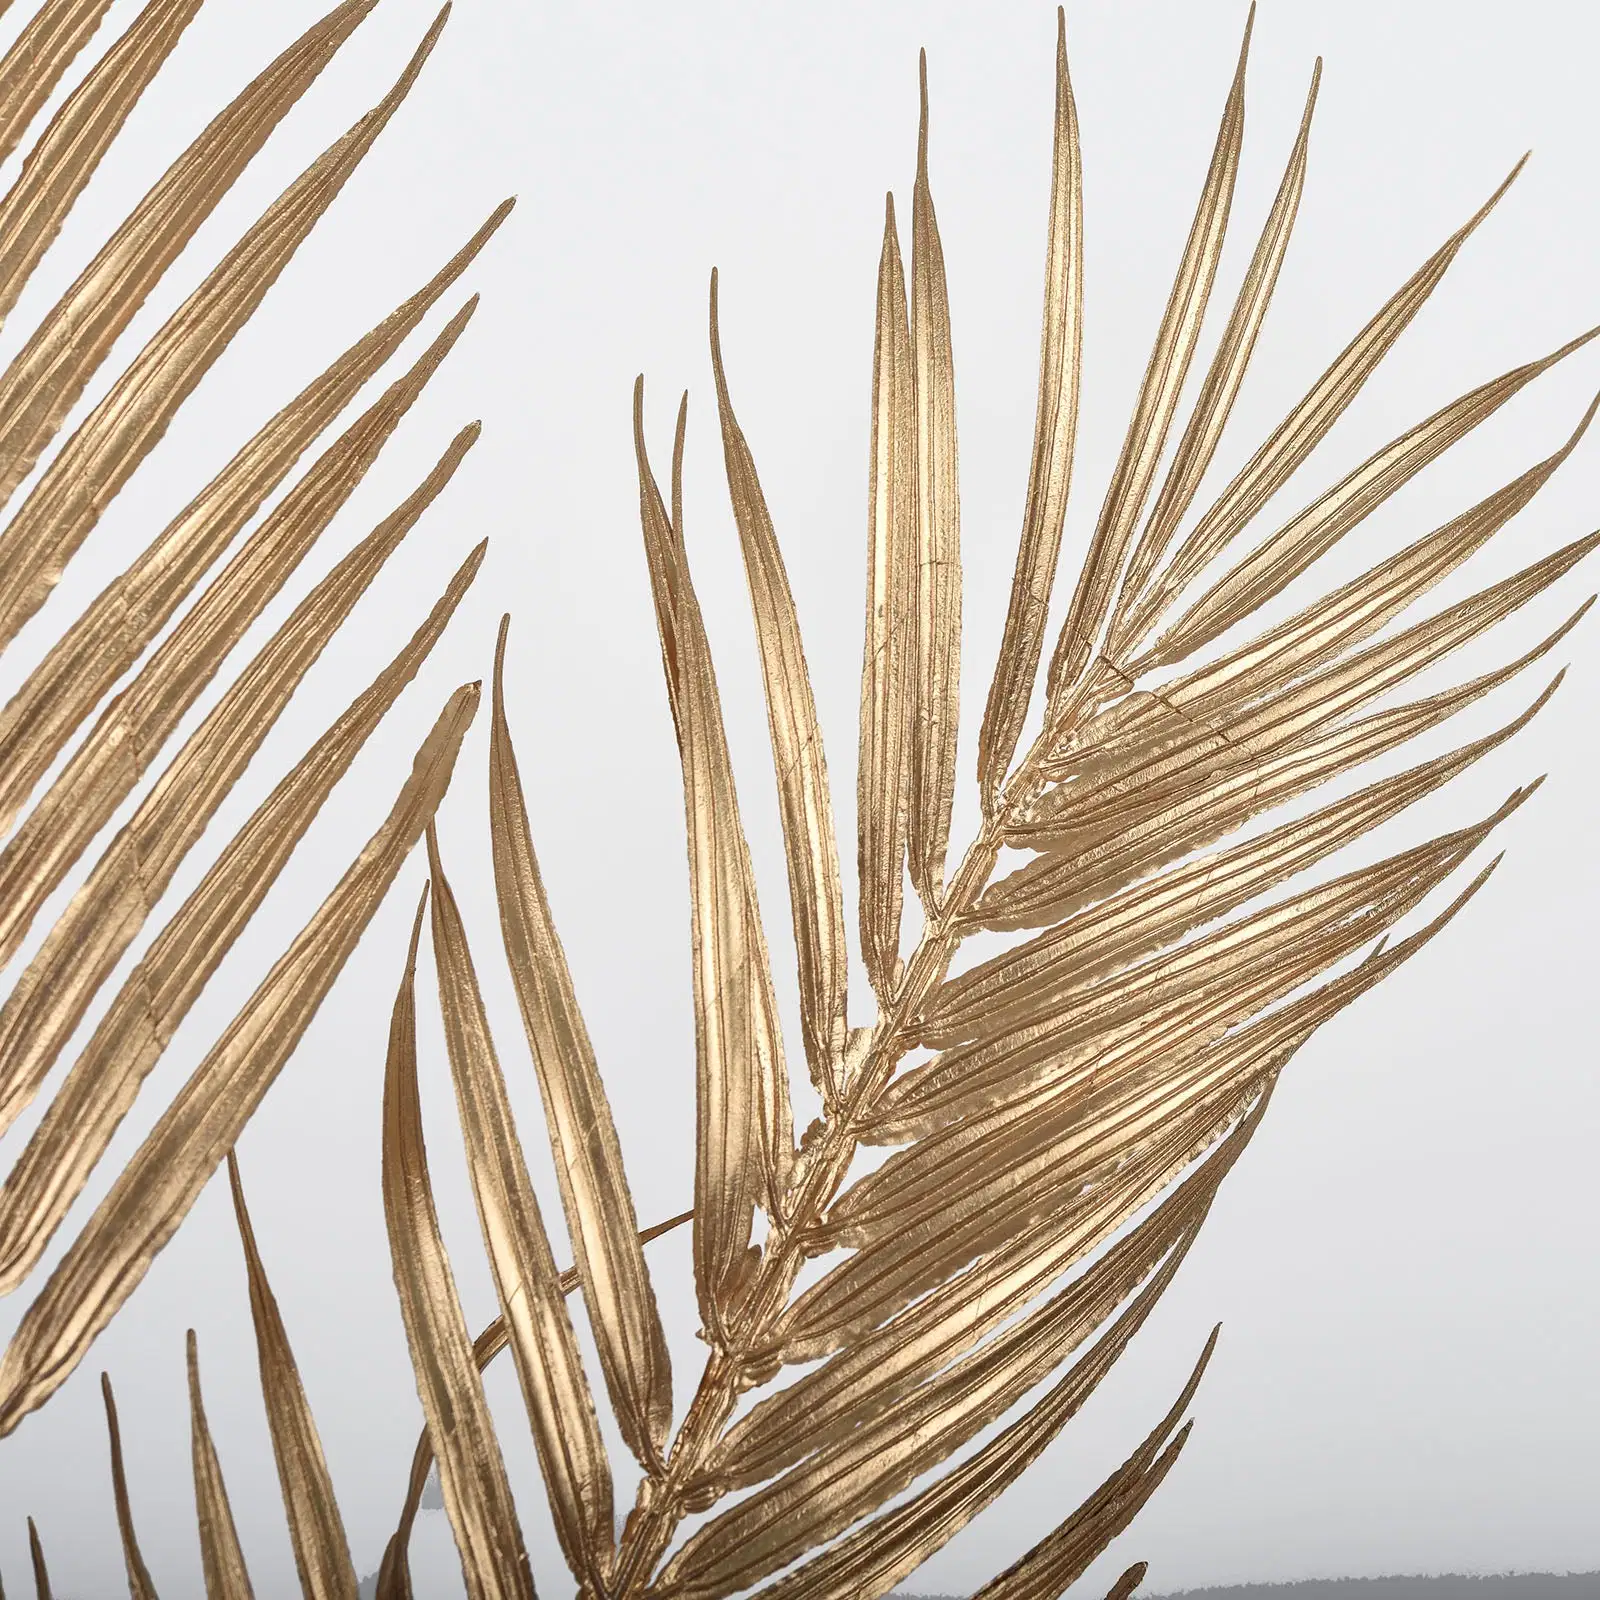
<point>67,346</point>
<point>80,133</point>
<point>394,1578</point>
<point>888,664</point>
<point>1157,401</point>
<point>601,1220</point>
<point>221,1556</point>
<point>846,1480</point>
<point>832,1404</point>
<point>106,914</point>
<point>1055,432</point>
<point>1059,1559</point>
<point>155,1190</point>
<point>477,1495</point>
<point>816,895</point>
<point>134,726</point>
<point>937,563</point>
<point>555,1391</point>
<point>34,64</point>
<point>155,997</point>
<point>108,637</point>
<point>316,1530</point>
<point>1275,563</point>
<point>1307,424</point>
<point>1203,431</point>
<point>41,1573</point>
<point>140,1586</point>
<point>738,1056</point>
<point>869,1563</point>
<point>103,452</point>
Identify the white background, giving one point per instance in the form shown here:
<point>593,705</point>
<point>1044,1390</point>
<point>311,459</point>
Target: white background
<point>1403,1262</point>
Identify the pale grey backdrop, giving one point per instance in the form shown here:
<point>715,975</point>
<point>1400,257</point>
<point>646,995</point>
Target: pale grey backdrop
<point>1403,1262</point>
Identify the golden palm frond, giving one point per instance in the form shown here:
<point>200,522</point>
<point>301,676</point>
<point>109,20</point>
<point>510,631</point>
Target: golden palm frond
<point>88,728</point>
<point>1060,1112</point>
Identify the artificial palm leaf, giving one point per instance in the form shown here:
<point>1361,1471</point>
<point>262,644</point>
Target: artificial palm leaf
<point>1058,1112</point>
<point>140,1586</point>
<point>316,1530</point>
<point>221,1557</point>
<point>90,727</point>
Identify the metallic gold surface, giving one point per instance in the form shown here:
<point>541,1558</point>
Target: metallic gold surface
<point>1059,1115</point>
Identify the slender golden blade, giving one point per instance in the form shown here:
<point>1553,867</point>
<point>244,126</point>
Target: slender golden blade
<point>221,1556</point>
<point>394,1578</point>
<point>601,1220</point>
<point>311,1510</point>
<point>1276,461</point>
<point>140,1585</point>
<point>79,134</point>
<point>108,637</point>
<point>133,728</point>
<point>846,1310</point>
<point>816,895</point>
<point>1206,422</point>
<point>1055,431</point>
<point>845,1481</point>
<point>1086,864</point>
<point>936,686</point>
<point>155,1190</point>
<point>888,666</point>
<point>34,64</point>
<point>555,1390</point>
<point>1275,563</point>
<point>978,1111</point>
<point>1335,622</point>
<point>1135,922</point>
<point>735,1049</point>
<point>107,913</point>
<point>1059,1559</point>
<point>472,1473</point>
<point>1157,401</point>
<point>155,997</point>
<point>41,1573</point>
<point>870,1562</point>
<point>880,1279</point>
<point>775,1115</point>
<point>833,1403</point>
<point>48,374</point>
<point>103,452</point>
<point>1183,750</point>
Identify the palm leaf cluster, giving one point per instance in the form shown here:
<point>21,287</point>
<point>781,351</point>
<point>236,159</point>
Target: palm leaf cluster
<point>89,728</point>
<point>1058,1109</point>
